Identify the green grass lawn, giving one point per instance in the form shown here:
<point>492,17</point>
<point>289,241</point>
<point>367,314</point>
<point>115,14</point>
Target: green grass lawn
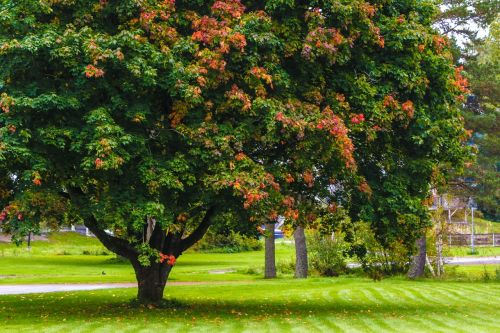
<point>473,273</point>
<point>244,302</point>
<point>283,305</point>
<point>480,251</point>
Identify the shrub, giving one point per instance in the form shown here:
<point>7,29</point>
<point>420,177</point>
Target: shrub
<point>96,252</point>
<point>253,270</point>
<point>327,255</point>
<point>375,259</point>
<point>286,266</point>
<point>230,243</point>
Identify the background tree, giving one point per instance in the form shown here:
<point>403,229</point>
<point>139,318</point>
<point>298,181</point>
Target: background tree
<point>470,25</point>
<point>482,117</point>
<point>464,19</point>
<point>417,128</point>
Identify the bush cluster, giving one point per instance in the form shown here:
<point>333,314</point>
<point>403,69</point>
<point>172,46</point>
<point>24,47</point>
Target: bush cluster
<point>327,254</point>
<point>378,260</point>
<point>231,243</point>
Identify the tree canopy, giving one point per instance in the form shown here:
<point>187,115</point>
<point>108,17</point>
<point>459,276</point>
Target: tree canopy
<point>482,116</point>
<point>145,119</point>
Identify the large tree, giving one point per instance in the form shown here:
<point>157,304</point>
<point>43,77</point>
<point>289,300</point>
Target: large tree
<point>418,137</point>
<point>145,119</point>
<point>473,27</point>
<point>482,115</point>
<point>464,19</point>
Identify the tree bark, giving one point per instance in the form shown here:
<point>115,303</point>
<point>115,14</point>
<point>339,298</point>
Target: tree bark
<point>270,256</point>
<point>418,264</point>
<point>301,266</point>
<point>151,282</point>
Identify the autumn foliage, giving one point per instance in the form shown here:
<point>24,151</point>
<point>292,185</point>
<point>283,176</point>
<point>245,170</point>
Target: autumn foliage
<point>156,115</point>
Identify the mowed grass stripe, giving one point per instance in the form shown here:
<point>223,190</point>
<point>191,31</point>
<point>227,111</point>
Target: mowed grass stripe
<point>410,296</point>
<point>375,325</point>
<point>429,325</point>
<point>340,324</point>
<point>453,314</point>
<point>412,324</point>
<point>474,318</point>
<point>370,296</point>
<point>375,292</point>
<point>480,300</point>
<point>358,324</point>
<point>359,309</point>
<point>457,291</point>
<point>414,295</point>
<point>389,294</point>
<point>383,324</point>
<point>456,312</point>
<point>423,297</point>
<point>316,325</point>
<point>490,289</point>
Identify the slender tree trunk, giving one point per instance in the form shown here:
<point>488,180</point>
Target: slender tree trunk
<point>270,261</point>
<point>418,263</point>
<point>301,266</point>
<point>439,254</point>
<point>29,240</point>
<point>151,282</point>
<point>429,265</point>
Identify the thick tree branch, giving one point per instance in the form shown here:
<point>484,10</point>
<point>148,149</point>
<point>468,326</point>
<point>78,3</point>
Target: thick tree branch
<point>114,244</point>
<point>157,239</point>
<point>199,232</point>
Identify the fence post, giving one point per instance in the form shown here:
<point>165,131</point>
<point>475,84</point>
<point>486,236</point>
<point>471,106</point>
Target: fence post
<point>493,234</point>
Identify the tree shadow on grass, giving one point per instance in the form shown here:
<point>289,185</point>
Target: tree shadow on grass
<point>100,305</point>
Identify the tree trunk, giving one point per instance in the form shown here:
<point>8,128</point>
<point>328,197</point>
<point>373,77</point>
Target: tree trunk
<point>418,263</point>
<point>151,282</point>
<point>29,240</point>
<point>270,262</point>
<point>301,266</point>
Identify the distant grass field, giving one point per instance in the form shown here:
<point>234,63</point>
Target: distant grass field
<point>61,260</point>
<point>58,243</point>
<point>473,273</point>
<point>480,251</point>
<point>72,258</point>
<point>485,226</point>
<point>283,305</point>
